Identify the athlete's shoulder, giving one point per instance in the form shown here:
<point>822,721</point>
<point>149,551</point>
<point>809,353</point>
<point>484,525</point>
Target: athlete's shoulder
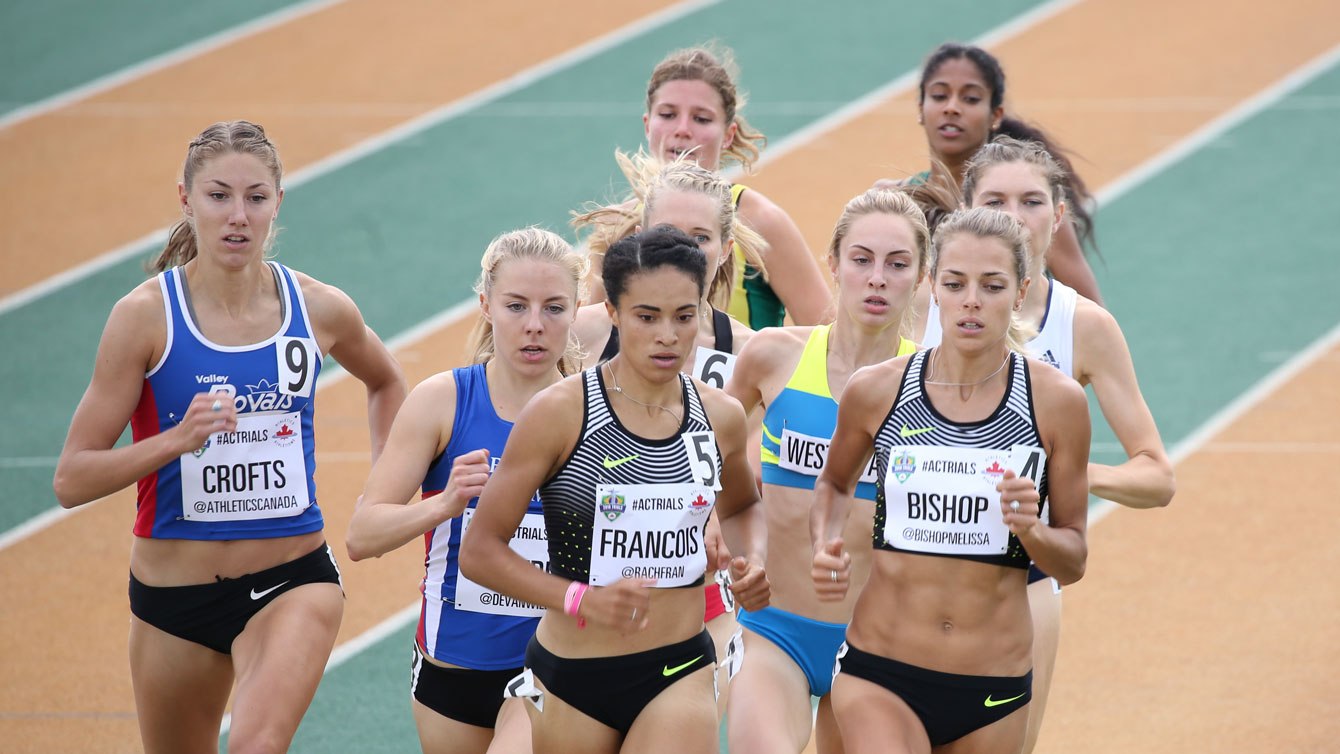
<point>1092,320</point>
<point>140,312</point>
<point>1051,386</point>
<point>740,334</point>
<point>759,212</point>
<point>719,405</point>
<point>592,328</point>
<point>437,391</point>
<point>325,303</point>
<point>779,342</point>
<point>882,372</point>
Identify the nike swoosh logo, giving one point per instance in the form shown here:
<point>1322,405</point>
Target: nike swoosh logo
<point>609,464</point>
<point>997,702</point>
<point>668,671</point>
<point>255,595</point>
<point>909,432</point>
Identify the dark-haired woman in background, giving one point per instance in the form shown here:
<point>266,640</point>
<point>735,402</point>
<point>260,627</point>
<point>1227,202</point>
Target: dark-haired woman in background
<point>629,459</point>
<point>961,106</point>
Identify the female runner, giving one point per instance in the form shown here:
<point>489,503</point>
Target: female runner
<point>974,440</point>
<point>451,432</point>
<point>798,374</point>
<point>1085,342</point>
<point>213,363</point>
<point>693,111</point>
<point>698,203</point>
<point>961,107</point>
<point>629,458</point>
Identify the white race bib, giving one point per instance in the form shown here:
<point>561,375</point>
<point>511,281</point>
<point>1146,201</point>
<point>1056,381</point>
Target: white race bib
<point>806,454</point>
<point>713,367</point>
<point>650,531</point>
<point>944,500</point>
<point>529,542</point>
<point>257,471</point>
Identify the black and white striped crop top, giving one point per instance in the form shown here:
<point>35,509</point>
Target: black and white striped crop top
<point>935,482</point>
<point>634,507</point>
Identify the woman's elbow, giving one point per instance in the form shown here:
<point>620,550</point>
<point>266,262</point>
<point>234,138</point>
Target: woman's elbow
<point>67,493</point>
<point>1169,488</point>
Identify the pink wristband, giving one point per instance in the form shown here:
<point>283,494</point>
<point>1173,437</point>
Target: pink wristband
<point>573,600</point>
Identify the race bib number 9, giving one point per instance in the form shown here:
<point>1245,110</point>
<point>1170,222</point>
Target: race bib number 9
<point>944,500</point>
<point>529,542</point>
<point>297,360</point>
<point>650,531</point>
<point>257,471</point>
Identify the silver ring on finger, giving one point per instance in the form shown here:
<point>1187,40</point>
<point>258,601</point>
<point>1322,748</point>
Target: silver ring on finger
<point>1014,506</point>
<point>634,616</point>
<point>218,406</point>
<point>833,575</point>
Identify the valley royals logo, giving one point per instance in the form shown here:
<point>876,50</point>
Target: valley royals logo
<point>612,504</point>
<point>902,466</point>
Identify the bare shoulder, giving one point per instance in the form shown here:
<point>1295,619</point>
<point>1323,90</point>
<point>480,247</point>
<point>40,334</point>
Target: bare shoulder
<point>719,405</point>
<point>880,376</point>
<point>138,321</point>
<point>759,212</point>
<point>1053,390</point>
<point>592,325</point>
<point>323,299</point>
<point>775,345</point>
<point>1093,321</point>
<point>142,305</point>
<point>436,394</point>
<point>740,335</point>
<point>562,404</point>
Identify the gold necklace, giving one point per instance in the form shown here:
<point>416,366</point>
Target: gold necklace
<point>970,385</point>
<point>610,367</point>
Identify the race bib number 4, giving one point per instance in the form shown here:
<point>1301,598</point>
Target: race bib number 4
<point>257,471</point>
<point>529,542</point>
<point>944,500</point>
<point>650,531</point>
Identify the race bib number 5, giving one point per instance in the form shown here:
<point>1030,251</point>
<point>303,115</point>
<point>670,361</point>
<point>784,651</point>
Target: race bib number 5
<point>650,531</point>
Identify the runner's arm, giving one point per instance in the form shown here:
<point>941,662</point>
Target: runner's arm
<point>358,349</point>
<point>1066,261</point>
<point>541,438</point>
<point>742,522</point>
<point>1058,547</point>
<point>791,269</point>
<point>1145,479</point>
<point>90,467</point>
<point>383,520</point>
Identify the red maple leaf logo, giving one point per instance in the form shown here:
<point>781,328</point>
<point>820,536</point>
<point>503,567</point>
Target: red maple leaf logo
<point>699,502</point>
<point>996,468</point>
<point>284,431</point>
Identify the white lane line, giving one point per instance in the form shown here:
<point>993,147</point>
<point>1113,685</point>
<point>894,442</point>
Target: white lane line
<point>346,651</point>
<point>328,377</point>
<point>905,82</point>
<point>1207,133</point>
<point>380,141</point>
<point>1199,439</point>
<point>165,60</point>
